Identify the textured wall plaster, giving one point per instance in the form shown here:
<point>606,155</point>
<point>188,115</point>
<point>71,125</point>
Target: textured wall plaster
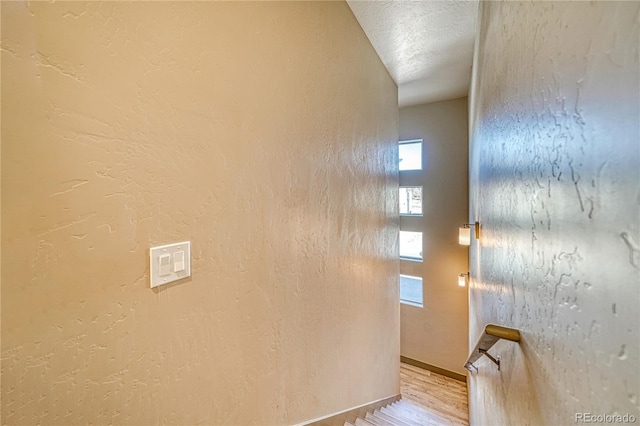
<point>437,333</point>
<point>555,182</point>
<point>266,134</point>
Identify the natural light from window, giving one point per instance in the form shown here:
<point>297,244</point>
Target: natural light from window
<point>411,290</point>
<point>411,200</point>
<point>411,245</point>
<point>410,155</point>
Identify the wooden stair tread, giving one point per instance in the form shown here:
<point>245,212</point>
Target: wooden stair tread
<point>413,412</point>
<point>378,421</point>
<point>416,408</point>
<point>390,419</point>
<point>363,422</point>
<point>398,414</point>
<point>441,410</point>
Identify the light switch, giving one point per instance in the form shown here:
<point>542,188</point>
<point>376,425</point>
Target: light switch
<point>169,263</point>
<point>178,261</point>
<point>164,265</point>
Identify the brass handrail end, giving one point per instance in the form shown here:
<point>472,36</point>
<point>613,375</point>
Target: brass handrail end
<point>503,332</point>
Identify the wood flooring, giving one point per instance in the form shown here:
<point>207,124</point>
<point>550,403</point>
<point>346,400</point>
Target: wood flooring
<point>428,399</point>
<point>443,397</point>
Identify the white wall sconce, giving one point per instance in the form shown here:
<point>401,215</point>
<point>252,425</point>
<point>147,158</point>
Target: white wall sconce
<point>463,279</point>
<point>464,233</point>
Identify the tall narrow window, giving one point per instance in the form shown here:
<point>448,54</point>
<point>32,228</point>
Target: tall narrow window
<point>411,208</point>
<point>411,245</point>
<point>410,155</point>
<point>411,290</point>
<point>411,200</point>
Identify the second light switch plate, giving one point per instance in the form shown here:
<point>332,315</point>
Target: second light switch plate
<point>170,263</point>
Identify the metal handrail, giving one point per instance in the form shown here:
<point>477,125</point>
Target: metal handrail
<point>492,333</point>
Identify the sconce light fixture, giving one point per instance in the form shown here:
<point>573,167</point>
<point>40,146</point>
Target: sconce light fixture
<point>464,233</point>
<point>463,279</point>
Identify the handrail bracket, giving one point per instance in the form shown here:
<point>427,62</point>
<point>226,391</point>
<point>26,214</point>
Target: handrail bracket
<point>492,333</point>
<point>496,360</point>
<point>469,365</point>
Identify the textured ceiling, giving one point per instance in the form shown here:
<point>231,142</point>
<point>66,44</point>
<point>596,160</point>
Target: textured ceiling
<point>427,46</point>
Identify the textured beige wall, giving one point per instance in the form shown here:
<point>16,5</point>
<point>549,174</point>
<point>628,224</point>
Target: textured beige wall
<point>437,333</point>
<point>266,134</point>
<point>555,181</point>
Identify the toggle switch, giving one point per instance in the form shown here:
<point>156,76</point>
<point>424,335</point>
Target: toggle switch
<point>164,264</point>
<point>178,261</point>
<point>169,263</point>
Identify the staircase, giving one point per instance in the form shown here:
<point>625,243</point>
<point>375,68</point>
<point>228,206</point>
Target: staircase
<point>400,413</point>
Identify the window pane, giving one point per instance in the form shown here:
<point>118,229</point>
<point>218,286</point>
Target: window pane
<point>411,245</point>
<point>410,154</point>
<point>411,290</point>
<point>411,200</point>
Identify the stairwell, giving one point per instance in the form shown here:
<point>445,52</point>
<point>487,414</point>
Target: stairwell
<point>427,399</point>
<point>400,413</point>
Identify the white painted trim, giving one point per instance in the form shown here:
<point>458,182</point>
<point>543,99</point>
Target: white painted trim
<point>410,141</point>
<point>343,411</point>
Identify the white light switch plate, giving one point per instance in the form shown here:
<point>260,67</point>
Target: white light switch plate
<point>179,266</point>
